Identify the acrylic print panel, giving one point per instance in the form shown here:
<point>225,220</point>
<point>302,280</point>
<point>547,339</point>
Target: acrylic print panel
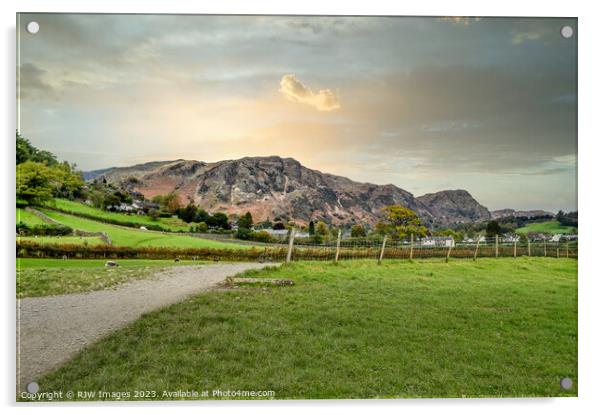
<point>295,207</point>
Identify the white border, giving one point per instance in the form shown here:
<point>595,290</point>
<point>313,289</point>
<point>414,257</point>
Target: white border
<point>590,206</point>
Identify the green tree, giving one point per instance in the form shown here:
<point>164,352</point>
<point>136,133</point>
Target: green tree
<point>27,152</point>
<point>322,229</point>
<point>358,231</point>
<point>245,221</point>
<point>36,183</point>
<point>188,213</point>
<point>493,228</point>
<point>312,228</point>
<point>403,222</point>
<point>218,220</point>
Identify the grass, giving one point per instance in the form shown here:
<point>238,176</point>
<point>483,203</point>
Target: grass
<point>505,327</point>
<point>42,277</point>
<point>28,218</point>
<point>122,236</point>
<point>63,240</point>
<point>552,226</point>
<point>68,206</point>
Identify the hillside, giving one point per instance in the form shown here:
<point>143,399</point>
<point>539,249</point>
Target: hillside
<point>281,188</point>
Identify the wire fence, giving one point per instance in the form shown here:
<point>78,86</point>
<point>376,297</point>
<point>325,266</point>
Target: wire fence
<point>338,249</point>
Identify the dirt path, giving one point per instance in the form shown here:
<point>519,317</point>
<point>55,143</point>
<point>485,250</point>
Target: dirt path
<point>50,330</point>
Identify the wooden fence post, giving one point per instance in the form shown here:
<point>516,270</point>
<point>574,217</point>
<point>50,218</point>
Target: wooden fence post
<point>514,249</point>
<point>291,241</point>
<point>567,249</point>
<point>411,246</point>
<point>557,252</point>
<point>545,251</point>
<point>496,246</point>
<point>476,251</point>
<point>529,246</point>
<point>382,250</point>
<point>451,245</point>
<point>336,255</point>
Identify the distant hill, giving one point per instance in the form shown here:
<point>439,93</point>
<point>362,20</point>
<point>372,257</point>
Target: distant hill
<point>281,188</point>
<point>527,214</point>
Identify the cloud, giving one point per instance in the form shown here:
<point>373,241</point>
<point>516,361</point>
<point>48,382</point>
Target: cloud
<point>294,90</point>
<point>32,82</point>
<point>519,38</point>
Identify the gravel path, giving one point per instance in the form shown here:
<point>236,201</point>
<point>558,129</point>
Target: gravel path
<point>50,330</point>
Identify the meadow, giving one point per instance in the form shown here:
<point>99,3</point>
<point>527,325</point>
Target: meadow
<point>123,236</point>
<point>552,227</point>
<point>81,209</point>
<point>491,328</point>
<point>41,277</point>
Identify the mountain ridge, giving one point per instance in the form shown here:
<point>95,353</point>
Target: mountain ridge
<point>277,188</point>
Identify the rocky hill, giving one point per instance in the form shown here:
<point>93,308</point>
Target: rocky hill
<point>454,206</point>
<point>281,188</point>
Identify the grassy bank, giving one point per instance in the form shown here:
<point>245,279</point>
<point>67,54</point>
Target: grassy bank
<point>552,226</point>
<point>41,277</point>
<point>122,236</point>
<point>505,327</point>
<point>77,208</point>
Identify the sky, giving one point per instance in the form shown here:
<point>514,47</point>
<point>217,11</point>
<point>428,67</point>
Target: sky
<point>425,103</point>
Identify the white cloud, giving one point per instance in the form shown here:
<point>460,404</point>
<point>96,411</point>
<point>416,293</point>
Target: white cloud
<point>294,90</point>
<point>524,36</point>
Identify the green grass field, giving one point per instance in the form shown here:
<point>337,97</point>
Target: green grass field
<point>505,327</point>
<point>41,277</point>
<point>28,218</point>
<point>122,236</point>
<point>552,226</point>
<point>68,206</point>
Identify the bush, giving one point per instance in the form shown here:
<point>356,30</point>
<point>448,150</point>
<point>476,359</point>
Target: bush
<point>262,236</point>
<point>43,230</point>
<point>244,233</point>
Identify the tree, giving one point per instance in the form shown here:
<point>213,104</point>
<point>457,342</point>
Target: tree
<point>322,229</point>
<point>201,215</point>
<point>188,213</point>
<point>278,226</point>
<point>312,228</point>
<point>358,231</point>
<point>493,228</point>
<point>245,221</point>
<point>27,152</point>
<point>36,183</point>
<point>218,220</point>
<point>402,222</point>
<point>170,203</point>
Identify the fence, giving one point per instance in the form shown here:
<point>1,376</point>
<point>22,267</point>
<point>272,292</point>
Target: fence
<point>336,250</point>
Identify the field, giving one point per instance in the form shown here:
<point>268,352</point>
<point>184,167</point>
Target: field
<point>28,218</point>
<point>77,208</point>
<point>123,236</point>
<point>552,226</point>
<point>40,277</point>
<point>497,327</point>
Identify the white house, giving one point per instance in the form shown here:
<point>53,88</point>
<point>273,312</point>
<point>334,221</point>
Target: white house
<point>438,241</point>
